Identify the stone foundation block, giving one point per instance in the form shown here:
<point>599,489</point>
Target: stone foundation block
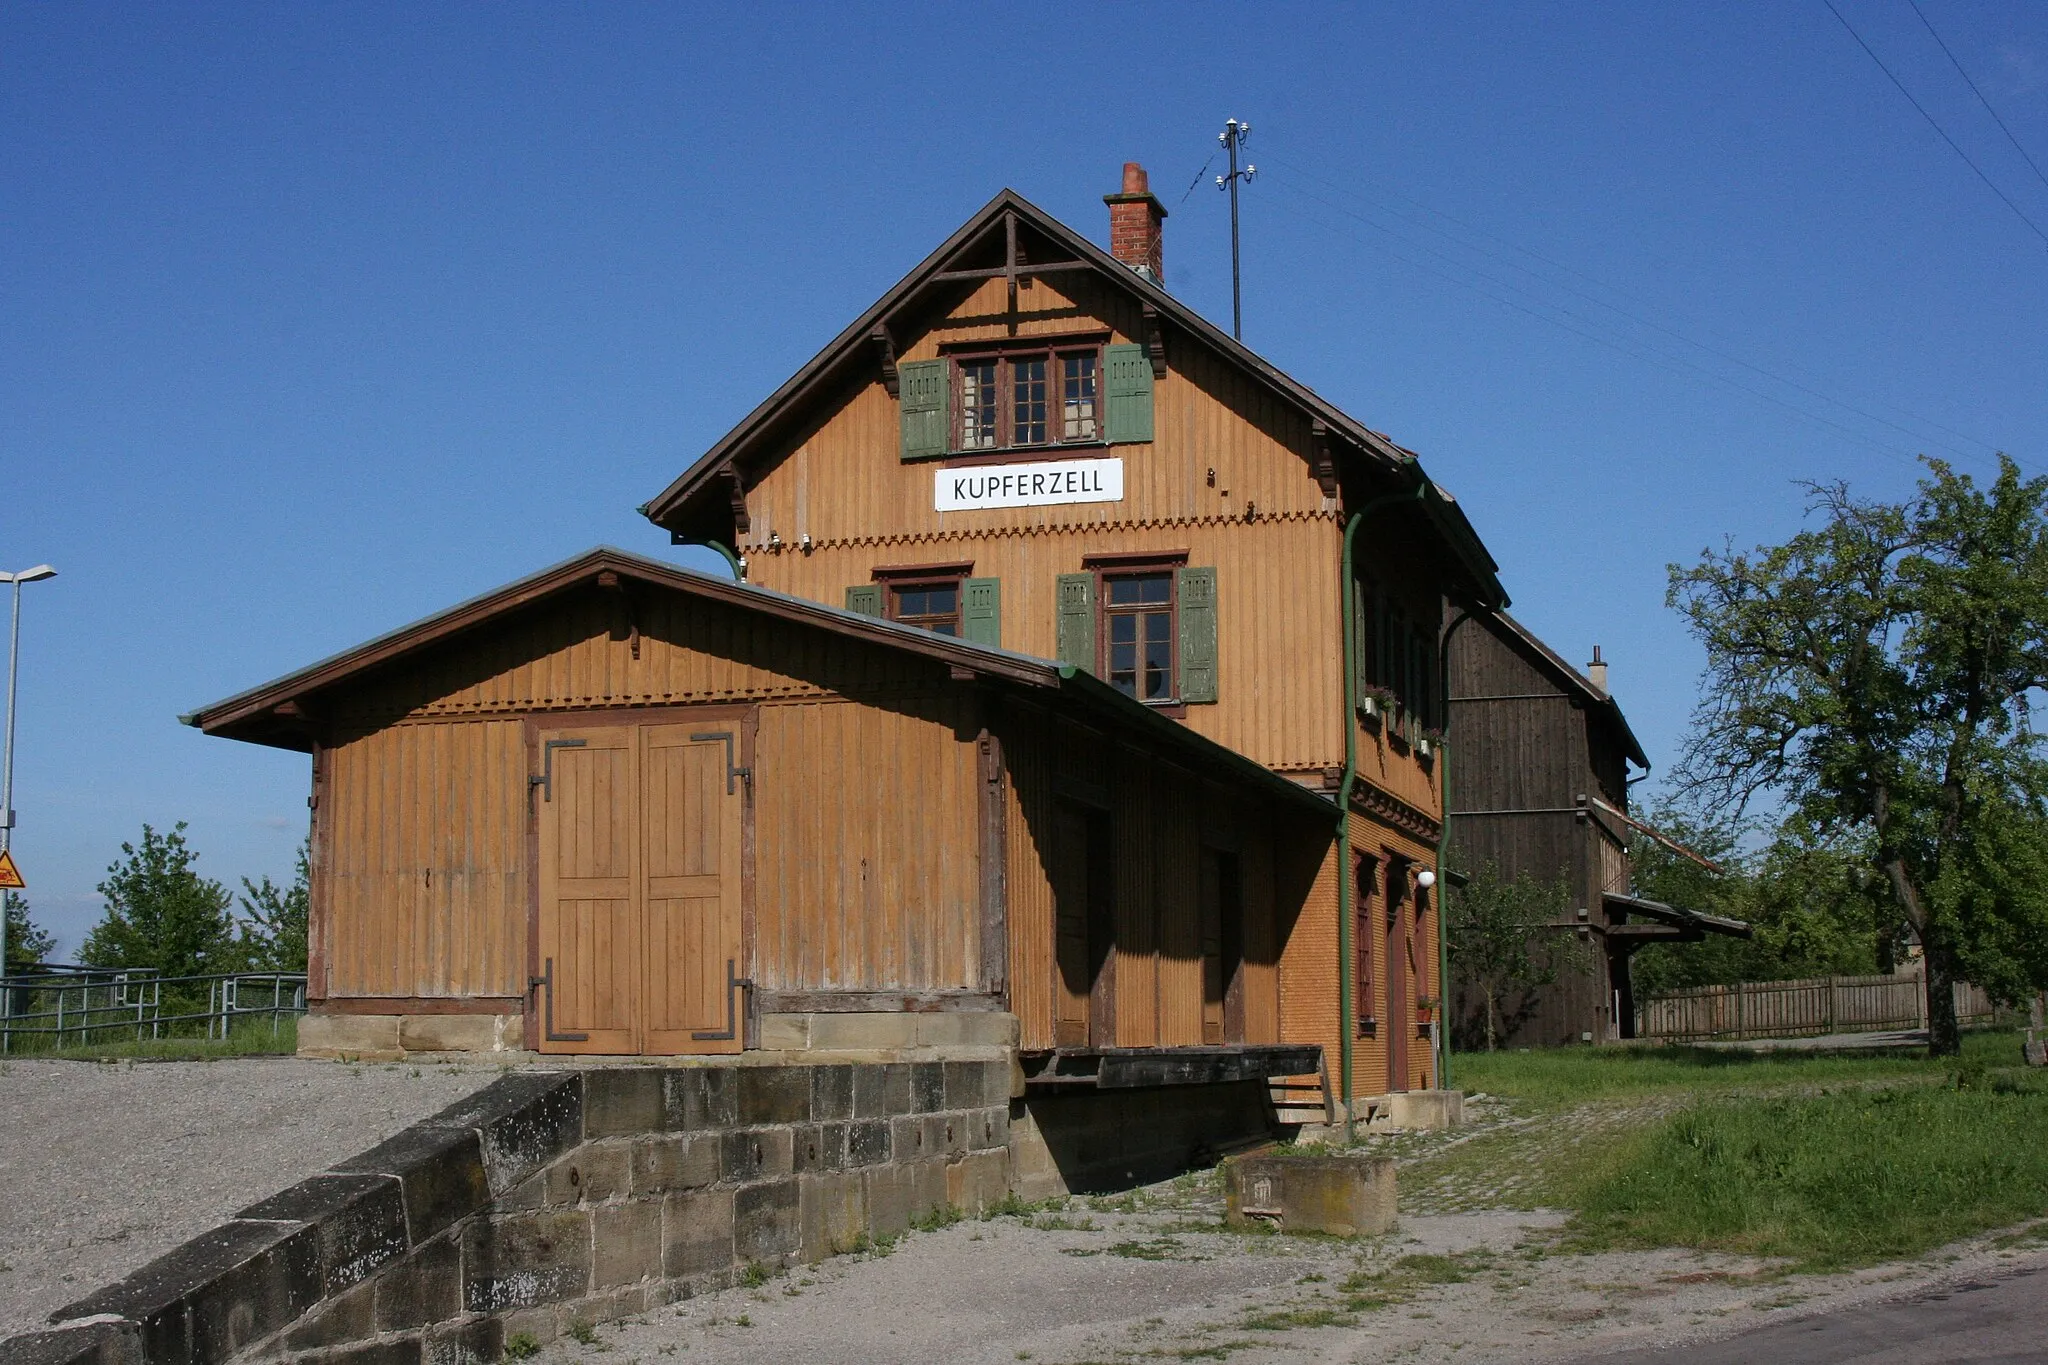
<point>868,1142</point>
<point>774,1094</point>
<point>370,1036</point>
<point>889,1192</point>
<point>968,1028</point>
<point>785,1032</point>
<point>696,1233</point>
<point>525,1120</point>
<point>764,1223</point>
<point>442,1170</point>
<point>661,1165</point>
<point>881,1091</point>
<point>928,1192</point>
<point>756,1154</point>
<point>425,1290</point>
<point>831,1213</point>
<point>699,1097</point>
<point>863,1032</point>
<point>102,1343</point>
<point>623,1101</point>
<point>1419,1109</point>
<point>480,1341</point>
<point>219,1292</point>
<point>360,1222</point>
<point>975,1182</point>
<point>626,1242</point>
<point>451,1032</point>
<point>592,1174</point>
<point>525,1259</point>
<point>818,1147</point>
<point>831,1093</point>
<point>1342,1193</point>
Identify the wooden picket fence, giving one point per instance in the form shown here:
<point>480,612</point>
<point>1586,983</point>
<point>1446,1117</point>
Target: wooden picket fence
<point>1788,1009</point>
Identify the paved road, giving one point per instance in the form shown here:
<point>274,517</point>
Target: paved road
<point>1982,1321</point>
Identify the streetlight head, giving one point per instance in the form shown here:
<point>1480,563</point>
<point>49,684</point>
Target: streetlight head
<point>1425,879</point>
<point>39,572</point>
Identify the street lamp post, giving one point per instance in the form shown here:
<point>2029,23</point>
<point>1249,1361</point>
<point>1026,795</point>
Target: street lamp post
<point>40,571</point>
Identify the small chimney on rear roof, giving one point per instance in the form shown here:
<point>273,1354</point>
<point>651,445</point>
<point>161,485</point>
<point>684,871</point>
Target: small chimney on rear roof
<point>1596,672</point>
<point>1135,216</point>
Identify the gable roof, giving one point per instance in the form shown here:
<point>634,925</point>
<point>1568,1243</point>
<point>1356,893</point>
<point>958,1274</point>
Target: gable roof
<point>272,714</point>
<point>855,345</point>
<point>1577,684</point>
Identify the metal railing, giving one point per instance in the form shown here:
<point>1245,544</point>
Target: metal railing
<point>79,1006</point>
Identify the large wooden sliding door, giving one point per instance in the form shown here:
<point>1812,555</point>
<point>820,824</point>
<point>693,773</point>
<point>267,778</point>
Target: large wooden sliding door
<point>639,830</point>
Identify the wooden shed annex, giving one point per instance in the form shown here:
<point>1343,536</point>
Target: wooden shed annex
<point>621,808</point>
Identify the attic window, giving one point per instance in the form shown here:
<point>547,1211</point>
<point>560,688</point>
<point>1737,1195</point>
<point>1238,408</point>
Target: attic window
<point>1034,398</point>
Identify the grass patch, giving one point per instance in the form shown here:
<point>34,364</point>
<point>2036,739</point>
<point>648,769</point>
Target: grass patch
<point>250,1038</point>
<point>1558,1077</point>
<point>1826,1181</point>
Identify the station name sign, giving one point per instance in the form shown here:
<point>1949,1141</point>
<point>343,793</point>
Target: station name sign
<point>1027,485</point>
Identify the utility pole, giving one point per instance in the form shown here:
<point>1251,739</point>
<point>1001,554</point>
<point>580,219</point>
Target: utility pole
<point>1232,137</point>
<point>40,571</point>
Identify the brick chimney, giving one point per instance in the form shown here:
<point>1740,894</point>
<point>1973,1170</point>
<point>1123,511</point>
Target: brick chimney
<point>1134,225</point>
<point>1596,672</point>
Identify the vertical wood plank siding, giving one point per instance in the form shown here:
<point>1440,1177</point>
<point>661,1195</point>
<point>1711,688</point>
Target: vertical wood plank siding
<point>425,877</point>
<point>1157,813</point>
<point>866,881</point>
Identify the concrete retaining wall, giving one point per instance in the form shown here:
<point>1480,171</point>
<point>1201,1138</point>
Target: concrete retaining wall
<point>551,1198</point>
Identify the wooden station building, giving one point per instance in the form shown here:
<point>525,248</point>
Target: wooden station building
<point>1541,790</point>
<point>1080,695</point>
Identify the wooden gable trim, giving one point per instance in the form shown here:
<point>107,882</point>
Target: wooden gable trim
<point>248,715</point>
<point>1007,211</point>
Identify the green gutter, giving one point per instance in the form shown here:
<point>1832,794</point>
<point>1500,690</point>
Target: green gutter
<point>1347,890</point>
<point>1443,845</point>
<point>732,560</point>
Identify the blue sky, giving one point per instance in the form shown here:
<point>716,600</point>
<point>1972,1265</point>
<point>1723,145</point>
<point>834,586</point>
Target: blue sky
<point>320,318</point>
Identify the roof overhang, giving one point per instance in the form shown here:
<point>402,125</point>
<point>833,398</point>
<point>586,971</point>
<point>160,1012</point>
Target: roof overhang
<point>711,491</point>
<point>1691,924</point>
<point>280,713</point>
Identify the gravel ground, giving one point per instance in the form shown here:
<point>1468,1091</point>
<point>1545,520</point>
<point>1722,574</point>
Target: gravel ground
<point>1087,1287</point>
<point>105,1166</point>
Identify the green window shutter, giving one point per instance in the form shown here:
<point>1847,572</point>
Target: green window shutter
<point>1127,394</point>
<point>865,599</point>
<point>1196,589</point>
<point>981,611</point>
<point>1077,620</point>
<point>927,407</point>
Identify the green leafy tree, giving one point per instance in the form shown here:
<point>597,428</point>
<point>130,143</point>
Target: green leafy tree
<point>1874,674</point>
<point>274,920</point>
<point>29,945</point>
<point>1508,939</point>
<point>1815,906</point>
<point>161,913</point>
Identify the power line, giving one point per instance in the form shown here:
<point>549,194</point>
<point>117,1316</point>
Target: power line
<point>1197,180</point>
<point>1612,288</point>
<point>1649,355</point>
<point>1978,93</point>
<point>1936,126</point>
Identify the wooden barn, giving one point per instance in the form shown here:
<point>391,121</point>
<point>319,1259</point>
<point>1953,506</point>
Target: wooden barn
<point>1541,789</point>
<point>1029,442</point>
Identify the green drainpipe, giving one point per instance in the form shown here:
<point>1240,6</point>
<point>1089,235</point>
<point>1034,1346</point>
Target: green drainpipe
<point>1346,883</point>
<point>1443,846</point>
<point>732,560</point>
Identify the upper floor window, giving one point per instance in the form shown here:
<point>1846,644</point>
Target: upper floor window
<point>987,397</point>
<point>1138,635</point>
<point>934,605</point>
<point>1032,398</point>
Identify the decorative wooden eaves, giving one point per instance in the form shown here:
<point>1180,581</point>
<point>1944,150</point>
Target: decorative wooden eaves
<point>1323,456</point>
<point>610,582</point>
<point>1155,341</point>
<point>885,351</point>
<point>736,494</point>
<point>1392,810</point>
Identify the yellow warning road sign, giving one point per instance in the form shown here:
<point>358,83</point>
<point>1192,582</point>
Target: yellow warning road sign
<point>10,875</point>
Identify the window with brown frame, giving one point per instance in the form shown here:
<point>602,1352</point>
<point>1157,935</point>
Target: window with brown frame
<point>1138,632</point>
<point>933,604</point>
<point>1028,398</point>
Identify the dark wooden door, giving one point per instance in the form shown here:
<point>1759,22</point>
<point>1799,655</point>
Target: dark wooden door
<point>1083,878</point>
<point>1399,1025</point>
